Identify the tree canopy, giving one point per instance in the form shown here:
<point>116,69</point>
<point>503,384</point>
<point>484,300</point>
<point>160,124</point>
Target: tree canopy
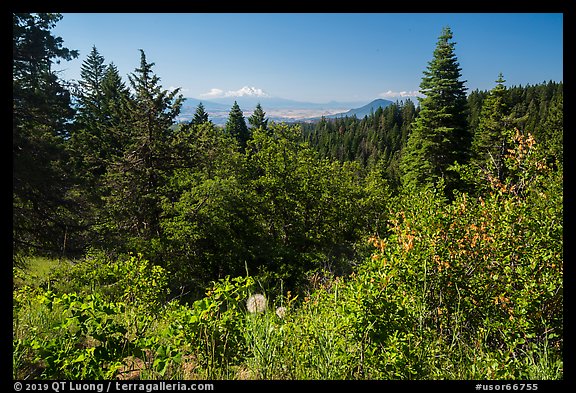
<point>41,123</point>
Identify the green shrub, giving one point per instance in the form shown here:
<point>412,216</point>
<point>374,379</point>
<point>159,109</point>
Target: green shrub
<point>211,331</point>
<point>481,271</point>
<point>74,336</point>
<point>131,279</point>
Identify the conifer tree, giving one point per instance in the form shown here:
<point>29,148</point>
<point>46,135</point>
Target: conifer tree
<point>440,134</point>
<point>98,140</point>
<point>92,73</point>
<point>258,118</point>
<point>136,179</point>
<point>115,105</point>
<point>489,145</point>
<point>87,141</point>
<point>41,118</point>
<point>200,116</point>
<point>236,126</point>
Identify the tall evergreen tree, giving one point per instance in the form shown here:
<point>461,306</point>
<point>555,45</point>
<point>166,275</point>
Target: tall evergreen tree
<point>41,118</point>
<point>90,116</point>
<point>489,145</point>
<point>200,116</point>
<point>90,96</point>
<point>440,134</point>
<point>114,107</point>
<point>236,126</point>
<point>136,179</point>
<point>258,118</point>
<point>97,140</point>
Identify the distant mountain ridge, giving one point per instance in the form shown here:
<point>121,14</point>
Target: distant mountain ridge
<point>364,110</point>
<point>249,102</point>
<point>278,109</point>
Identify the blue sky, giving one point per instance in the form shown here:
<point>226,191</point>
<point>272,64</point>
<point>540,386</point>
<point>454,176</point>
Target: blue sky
<point>316,57</point>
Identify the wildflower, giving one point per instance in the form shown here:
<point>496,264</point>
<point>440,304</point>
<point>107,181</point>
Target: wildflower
<point>281,312</point>
<point>256,303</point>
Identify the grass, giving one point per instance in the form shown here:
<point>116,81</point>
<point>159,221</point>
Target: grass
<point>37,270</point>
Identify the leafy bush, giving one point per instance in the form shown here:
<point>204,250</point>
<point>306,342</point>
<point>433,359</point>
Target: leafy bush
<point>481,271</point>
<point>131,279</point>
<point>86,319</point>
<point>82,336</point>
<point>210,331</point>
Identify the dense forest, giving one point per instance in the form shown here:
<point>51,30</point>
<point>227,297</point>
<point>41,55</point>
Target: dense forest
<point>378,139</point>
<point>423,241</point>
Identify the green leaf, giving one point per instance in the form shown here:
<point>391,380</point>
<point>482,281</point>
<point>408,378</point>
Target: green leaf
<point>80,358</point>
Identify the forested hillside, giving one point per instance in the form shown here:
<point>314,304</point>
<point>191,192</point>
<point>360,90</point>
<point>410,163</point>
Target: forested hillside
<point>423,241</point>
<point>378,139</point>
